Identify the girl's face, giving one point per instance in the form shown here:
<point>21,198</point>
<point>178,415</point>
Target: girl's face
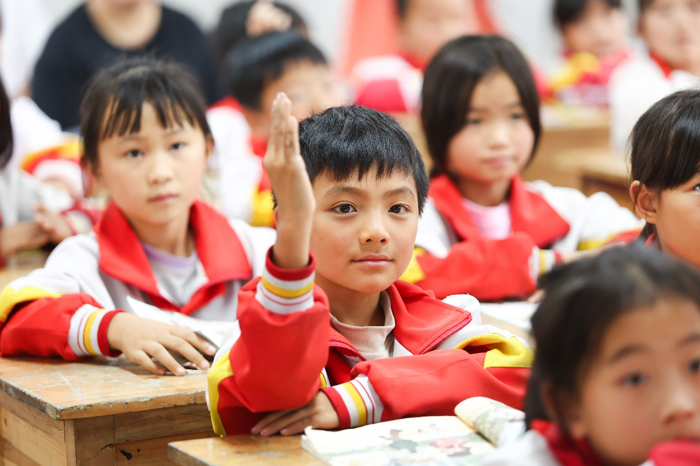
<point>671,29</point>
<point>601,30</point>
<point>496,142</point>
<point>644,384</point>
<point>154,175</point>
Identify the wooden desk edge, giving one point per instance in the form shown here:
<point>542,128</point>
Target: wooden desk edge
<point>180,456</point>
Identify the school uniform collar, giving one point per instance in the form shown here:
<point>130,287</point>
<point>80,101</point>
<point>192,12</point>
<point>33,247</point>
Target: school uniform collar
<point>122,257</point>
<point>653,242</point>
<point>568,452</point>
<point>529,212</point>
<point>663,66</point>
<point>421,321</point>
<point>414,61</point>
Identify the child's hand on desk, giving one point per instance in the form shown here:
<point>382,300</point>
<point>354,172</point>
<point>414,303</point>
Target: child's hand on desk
<point>292,188</point>
<point>22,235</point>
<point>54,225</point>
<point>318,413</point>
<point>142,339</point>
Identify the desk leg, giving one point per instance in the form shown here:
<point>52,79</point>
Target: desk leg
<point>90,441</point>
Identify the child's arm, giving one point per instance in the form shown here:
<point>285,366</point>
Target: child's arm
<point>22,235</point>
<point>274,361</point>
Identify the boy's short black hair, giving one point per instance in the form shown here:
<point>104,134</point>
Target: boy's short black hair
<point>401,7</point>
<point>115,97</point>
<point>665,144</point>
<point>449,83</point>
<point>6,139</point>
<point>569,11</point>
<point>352,141</point>
<point>643,5</point>
<point>256,61</point>
<point>582,300</point>
<point>232,26</point>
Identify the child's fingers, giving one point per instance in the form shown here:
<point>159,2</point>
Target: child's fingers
<point>291,140</point>
<point>187,350</point>
<point>143,360</point>
<point>194,340</point>
<point>286,421</point>
<point>298,427</point>
<point>159,352</point>
<point>269,419</point>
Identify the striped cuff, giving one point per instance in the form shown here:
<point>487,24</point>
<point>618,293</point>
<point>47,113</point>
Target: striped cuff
<point>542,261</point>
<point>356,402</point>
<point>286,291</point>
<point>88,331</point>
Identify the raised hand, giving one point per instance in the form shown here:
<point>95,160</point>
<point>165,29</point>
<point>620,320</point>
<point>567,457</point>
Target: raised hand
<point>292,187</point>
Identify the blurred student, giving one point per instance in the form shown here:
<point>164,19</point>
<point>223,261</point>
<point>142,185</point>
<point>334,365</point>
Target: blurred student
<point>392,83</point>
<point>146,141</point>
<point>671,31</point>
<point>257,70</point>
<point>595,43</point>
<point>665,169</point>
<point>99,32</point>
<point>485,231</point>
<point>329,337</point>
<point>616,376</point>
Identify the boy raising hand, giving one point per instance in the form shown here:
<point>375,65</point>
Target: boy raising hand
<point>322,329</point>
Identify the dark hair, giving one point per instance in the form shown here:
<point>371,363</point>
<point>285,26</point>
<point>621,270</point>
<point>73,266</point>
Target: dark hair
<point>450,80</point>
<point>582,300</point>
<point>401,8</point>
<point>665,144</point>
<point>256,61</point>
<point>643,5</point>
<point>6,139</point>
<point>115,96</point>
<point>570,11</point>
<point>232,26</point>
<point>344,141</point>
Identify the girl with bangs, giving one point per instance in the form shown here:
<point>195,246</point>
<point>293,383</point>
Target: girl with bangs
<point>146,141</point>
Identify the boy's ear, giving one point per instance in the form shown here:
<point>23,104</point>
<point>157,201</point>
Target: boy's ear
<point>645,201</point>
<point>567,412</point>
<point>210,144</point>
<point>275,216</point>
<point>259,121</point>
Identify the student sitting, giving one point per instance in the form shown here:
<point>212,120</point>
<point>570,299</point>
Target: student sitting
<point>257,70</point>
<point>671,31</point>
<point>485,231</point>
<point>616,377</point>
<point>392,83</point>
<point>595,43</point>
<point>665,161</point>
<point>146,141</point>
<point>350,186</point>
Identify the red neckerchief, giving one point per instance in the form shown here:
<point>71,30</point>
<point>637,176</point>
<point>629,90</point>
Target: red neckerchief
<point>422,322</point>
<point>218,248</point>
<point>529,212</point>
<point>227,102</point>
<point>414,61</point>
<point>653,242</point>
<point>567,451</point>
<point>665,67</point>
<point>258,145</point>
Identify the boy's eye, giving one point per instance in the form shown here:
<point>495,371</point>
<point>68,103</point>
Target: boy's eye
<point>399,209</point>
<point>694,366</point>
<point>517,116</point>
<point>344,209</point>
<point>473,121</point>
<point>133,153</point>
<point>634,380</point>
<point>697,188</point>
<point>177,146</point>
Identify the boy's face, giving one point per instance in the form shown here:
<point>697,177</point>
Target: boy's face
<point>430,24</point>
<point>644,384</point>
<point>671,29</point>
<point>363,231</point>
<point>311,87</point>
<point>601,30</point>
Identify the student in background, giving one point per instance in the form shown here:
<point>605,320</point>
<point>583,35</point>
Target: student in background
<point>616,377</point>
<point>29,210</point>
<point>98,33</point>
<point>322,330</point>
<point>392,83</point>
<point>595,43</point>
<point>665,161</point>
<point>671,31</point>
<point>485,231</point>
<point>146,141</point>
<point>257,70</point>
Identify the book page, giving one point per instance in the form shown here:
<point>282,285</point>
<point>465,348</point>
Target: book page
<point>497,422</point>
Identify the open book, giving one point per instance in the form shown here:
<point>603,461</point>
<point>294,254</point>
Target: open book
<point>480,426</point>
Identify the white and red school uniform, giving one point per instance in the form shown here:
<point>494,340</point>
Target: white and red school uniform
<point>547,445</point>
<point>453,255</point>
<point>286,350</point>
<point>244,188</point>
<point>635,86</point>
<point>389,83</point>
<point>65,308</point>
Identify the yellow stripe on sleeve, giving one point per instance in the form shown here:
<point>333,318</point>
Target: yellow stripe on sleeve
<point>10,297</point>
<point>414,273</point>
<point>285,293</point>
<point>359,404</point>
<point>86,334</point>
<point>220,371</point>
<point>502,351</point>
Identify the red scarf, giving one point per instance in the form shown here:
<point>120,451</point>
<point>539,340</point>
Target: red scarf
<point>566,451</point>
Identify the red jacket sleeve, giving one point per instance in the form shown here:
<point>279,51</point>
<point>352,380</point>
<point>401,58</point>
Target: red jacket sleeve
<point>486,269</point>
<point>426,385</point>
<point>274,362</point>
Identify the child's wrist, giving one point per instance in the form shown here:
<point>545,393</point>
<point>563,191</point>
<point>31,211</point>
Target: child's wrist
<point>291,249</point>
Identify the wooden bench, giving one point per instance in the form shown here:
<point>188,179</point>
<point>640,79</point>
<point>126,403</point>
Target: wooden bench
<point>97,412</point>
<point>242,450</point>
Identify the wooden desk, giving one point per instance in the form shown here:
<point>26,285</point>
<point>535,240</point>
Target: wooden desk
<point>20,265</point>
<point>242,450</point>
<point>97,412</point>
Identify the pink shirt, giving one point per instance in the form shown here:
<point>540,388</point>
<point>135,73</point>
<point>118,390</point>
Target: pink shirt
<point>493,222</point>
